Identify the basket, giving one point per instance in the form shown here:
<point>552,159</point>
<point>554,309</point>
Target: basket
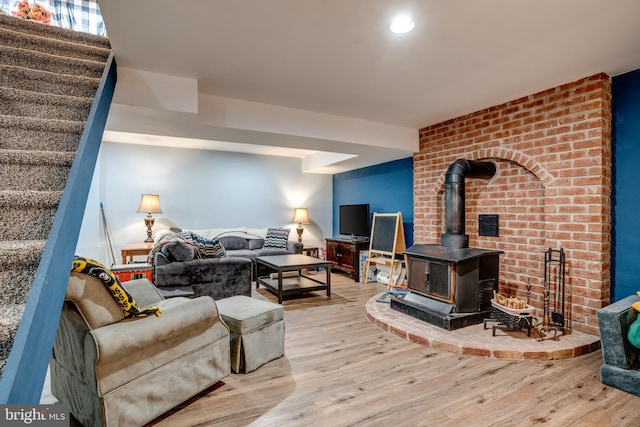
<point>512,318</point>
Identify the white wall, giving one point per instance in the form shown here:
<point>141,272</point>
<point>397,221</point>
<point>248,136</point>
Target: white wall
<point>199,189</point>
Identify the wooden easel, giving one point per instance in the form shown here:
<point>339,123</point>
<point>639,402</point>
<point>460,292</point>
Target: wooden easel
<point>387,241</point>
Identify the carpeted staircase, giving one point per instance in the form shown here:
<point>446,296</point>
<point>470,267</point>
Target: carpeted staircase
<point>48,78</point>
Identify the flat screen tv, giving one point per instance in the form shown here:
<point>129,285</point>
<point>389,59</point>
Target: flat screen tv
<point>354,220</point>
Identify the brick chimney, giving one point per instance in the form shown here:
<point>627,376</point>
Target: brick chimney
<point>552,188</point>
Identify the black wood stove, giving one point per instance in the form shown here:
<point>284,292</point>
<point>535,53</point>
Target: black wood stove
<point>451,285</point>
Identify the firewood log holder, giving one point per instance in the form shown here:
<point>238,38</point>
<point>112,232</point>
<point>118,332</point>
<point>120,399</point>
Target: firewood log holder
<point>512,320</point>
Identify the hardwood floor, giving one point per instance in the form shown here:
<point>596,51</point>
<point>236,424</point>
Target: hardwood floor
<point>341,370</point>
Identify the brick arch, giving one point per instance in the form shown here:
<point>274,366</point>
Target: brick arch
<point>517,157</point>
<point>520,179</point>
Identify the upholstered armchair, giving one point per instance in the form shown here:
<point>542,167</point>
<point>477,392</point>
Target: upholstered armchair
<point>114,371</point>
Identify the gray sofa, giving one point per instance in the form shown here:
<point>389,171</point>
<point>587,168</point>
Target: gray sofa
<point>177,265</point>
<point>251,247</point>
<point>621,368</point>
<point>216,277</point>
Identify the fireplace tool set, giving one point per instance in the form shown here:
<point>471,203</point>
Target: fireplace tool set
<point>515,314</point>
<point>553,319</point>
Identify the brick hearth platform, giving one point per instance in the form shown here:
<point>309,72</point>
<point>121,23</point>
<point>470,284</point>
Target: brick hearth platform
<point>476,341</point>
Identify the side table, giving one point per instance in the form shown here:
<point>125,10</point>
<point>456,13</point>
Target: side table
<point>310,251</point>
<point>135,249</point>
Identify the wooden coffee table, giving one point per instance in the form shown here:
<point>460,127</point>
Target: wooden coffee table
<point>298,284</point>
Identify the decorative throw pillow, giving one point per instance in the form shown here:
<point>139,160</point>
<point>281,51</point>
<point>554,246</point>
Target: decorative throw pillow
<point>634,329</point>
<point>111,282</point>
<point>175,253</point>
<point>277,238</point>
<point>207,248</point>
<point>179,251</point>
<point>233,243</point>
<point>256,243</point>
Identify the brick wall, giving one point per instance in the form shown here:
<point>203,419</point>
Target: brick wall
<point>552,189</point>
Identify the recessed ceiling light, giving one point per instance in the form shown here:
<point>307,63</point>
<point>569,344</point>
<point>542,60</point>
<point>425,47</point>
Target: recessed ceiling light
<point>402,24</point>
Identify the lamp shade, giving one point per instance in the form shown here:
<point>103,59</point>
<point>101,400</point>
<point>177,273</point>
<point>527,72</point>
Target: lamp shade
<point>301,216</point>
<point>149,203</point>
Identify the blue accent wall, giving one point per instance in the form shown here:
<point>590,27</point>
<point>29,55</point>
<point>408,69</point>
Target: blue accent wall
<point>387,188</point>
<point>625,271</point>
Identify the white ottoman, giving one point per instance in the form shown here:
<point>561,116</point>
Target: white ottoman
<point>256,331</point>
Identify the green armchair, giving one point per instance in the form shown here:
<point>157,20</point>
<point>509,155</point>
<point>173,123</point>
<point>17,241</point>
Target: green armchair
<point>127,372</point>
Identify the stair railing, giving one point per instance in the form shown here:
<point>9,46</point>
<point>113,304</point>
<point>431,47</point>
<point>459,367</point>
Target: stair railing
<point>26,367</point>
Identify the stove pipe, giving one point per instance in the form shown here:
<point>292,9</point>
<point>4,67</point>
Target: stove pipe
<point>457,171</point>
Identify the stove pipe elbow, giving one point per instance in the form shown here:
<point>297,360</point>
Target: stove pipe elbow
<point>454,198</point>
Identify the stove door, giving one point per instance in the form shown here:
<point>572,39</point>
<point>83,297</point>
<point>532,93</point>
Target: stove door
<point>431,278</point>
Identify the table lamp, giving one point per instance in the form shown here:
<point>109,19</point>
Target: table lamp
<point>149,203</point>
<point>301,216</point>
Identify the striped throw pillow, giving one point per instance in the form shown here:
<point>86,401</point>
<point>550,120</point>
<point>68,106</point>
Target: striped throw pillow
<point>207,248</point>
<point>276,238</point>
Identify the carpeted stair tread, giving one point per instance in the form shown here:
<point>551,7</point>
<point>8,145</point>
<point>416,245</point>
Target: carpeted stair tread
<point>43,30</point>
<point>30,133</point>
<point>29,199</point>
<point>19,261</point>
<point>17,285</point>
<point>37,157</point>
<point>52,63</point>
<point>24,170</point>
<point>27,214</point>
<point>16,102</point>
<point>18,267</point>
<point>10,316</point>
<point>20,177</point>
<point>37,43</point>
<point>46,82</point>
<point>16,254</point>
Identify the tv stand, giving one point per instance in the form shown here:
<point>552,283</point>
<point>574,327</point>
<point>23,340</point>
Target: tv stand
<point>344,254</point>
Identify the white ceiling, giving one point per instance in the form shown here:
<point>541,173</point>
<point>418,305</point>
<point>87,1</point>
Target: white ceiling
<point>338,58</point>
